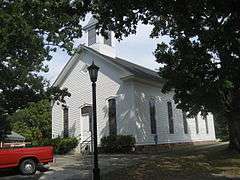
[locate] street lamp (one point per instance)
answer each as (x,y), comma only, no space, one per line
(93,72)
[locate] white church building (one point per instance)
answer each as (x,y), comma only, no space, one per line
(129,100)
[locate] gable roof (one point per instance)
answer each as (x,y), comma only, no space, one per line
(134,69)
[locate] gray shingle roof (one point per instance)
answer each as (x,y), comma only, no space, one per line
(134,69)
(14,137)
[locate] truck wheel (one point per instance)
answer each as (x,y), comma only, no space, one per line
(28,167)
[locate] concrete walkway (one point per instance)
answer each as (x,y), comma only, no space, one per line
(71,167)
(74,167)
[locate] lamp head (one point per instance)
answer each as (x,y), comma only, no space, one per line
(93,72)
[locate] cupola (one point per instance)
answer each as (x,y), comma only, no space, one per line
(96,41)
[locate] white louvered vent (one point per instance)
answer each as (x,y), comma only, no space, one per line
(92,36)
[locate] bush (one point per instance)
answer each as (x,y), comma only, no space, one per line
(33,122)
(117,144)
(66,145)
(61,145)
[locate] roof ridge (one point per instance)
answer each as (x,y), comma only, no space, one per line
(116,58)
(133,68)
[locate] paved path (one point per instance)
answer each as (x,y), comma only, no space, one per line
(73,167)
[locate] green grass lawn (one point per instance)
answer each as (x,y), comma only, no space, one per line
(197,163)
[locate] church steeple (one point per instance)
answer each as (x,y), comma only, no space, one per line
(96,41)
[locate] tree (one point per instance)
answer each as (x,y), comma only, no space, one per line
(29,31)
(4,127)
(33,122)
(221,125)
(201,62)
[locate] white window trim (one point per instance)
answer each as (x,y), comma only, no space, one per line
(83,105)
(84,68)
(112,97)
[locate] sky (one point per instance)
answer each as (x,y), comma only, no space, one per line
(137,48)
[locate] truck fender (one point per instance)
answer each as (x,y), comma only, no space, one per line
(28,157)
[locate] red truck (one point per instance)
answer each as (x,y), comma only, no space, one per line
(26,159)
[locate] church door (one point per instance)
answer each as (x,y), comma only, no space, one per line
(86,123)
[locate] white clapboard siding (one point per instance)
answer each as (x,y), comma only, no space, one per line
(132,98)
(79,85)
(143,93)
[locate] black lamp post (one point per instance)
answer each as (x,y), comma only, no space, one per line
(93,72)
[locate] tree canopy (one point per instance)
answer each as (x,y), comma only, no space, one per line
(201,62)
(29,31)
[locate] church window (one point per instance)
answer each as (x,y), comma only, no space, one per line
(170,118)
(185,123)
(108,40)
(153,116)
(206,124)
(197,125)
(112,117)
(65,122)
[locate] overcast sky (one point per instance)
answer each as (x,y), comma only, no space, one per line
(136,48)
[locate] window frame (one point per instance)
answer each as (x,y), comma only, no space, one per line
(152,114)
(109,40)
(206,124)
(170,117)
(185,123)
(112,116)
(65,121)
(196,124)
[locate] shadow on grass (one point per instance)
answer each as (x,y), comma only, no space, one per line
(190,163)
(197,163)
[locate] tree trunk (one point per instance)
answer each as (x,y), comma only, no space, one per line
(4,126)
(233,118)
(234,134)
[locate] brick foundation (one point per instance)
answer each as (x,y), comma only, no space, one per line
(161,147)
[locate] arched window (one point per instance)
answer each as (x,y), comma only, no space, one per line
(86,110)
(197,126)
(153,116)
(112,117)
(206,123)
(65,122)
(170,118)
(108,40)
(185,123)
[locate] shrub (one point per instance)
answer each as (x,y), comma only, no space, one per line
(117,144)
(33,122)
(61,145)
(66,145)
